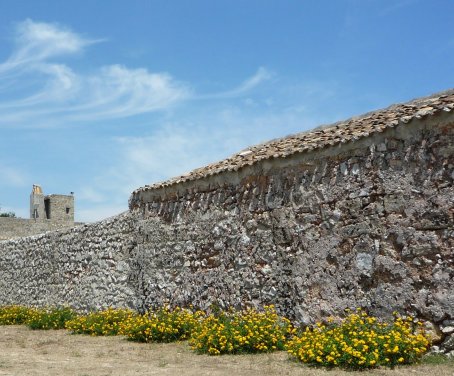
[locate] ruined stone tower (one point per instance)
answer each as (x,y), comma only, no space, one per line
(37,203)
(58,208)
(47,213)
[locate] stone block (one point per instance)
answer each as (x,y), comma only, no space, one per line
(394,203)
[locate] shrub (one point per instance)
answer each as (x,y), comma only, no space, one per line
(7,214)
(13,315)
(248,331)
(162,325)
(103,323)
(360,342)
(49,318)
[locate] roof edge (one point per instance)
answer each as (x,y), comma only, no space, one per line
(324,135)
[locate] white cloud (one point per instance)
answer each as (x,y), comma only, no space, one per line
(38,41)
(59,94)
(114,91)
(120,92)
(246,86)
(260,76)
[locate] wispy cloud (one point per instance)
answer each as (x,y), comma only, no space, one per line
(114,91)
(58,93)
(261,75)
(39,41)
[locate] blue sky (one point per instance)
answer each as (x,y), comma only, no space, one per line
(102,97)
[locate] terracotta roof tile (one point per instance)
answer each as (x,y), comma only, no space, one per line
(341,132)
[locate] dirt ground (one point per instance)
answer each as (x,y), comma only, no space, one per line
(27,352)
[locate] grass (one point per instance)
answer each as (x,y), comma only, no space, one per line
(357,342)
(437,359)
(76,355)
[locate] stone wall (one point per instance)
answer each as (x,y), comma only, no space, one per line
(11,228)
(363,224)
(367,223)
(86,267)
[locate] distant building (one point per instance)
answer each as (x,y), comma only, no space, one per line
(47,213)
(57,208)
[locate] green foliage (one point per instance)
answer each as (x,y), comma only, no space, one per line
(162,325)
(13,315)
(248,331)
(103,323)
(360,342)
(49,318)
(437,359)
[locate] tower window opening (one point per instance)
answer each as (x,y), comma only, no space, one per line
(47,208)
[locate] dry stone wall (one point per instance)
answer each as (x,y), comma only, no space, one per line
(86,267)
(363,224)
(367,223)
(11,228)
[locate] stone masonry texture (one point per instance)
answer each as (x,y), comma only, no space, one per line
(369,225)
(11,228)
(364,222)
(85,267)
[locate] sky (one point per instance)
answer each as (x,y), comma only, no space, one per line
(102,97)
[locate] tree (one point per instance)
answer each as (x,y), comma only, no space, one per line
(7,214)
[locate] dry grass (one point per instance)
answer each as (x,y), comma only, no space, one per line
(27,352)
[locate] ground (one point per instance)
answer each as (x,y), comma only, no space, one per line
(27,352)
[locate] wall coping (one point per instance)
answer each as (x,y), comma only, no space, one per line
(337,134)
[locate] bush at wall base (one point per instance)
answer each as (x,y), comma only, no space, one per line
(249,331)
(49,318)
(161,325)
(360,341)
(103,323)
(13,315)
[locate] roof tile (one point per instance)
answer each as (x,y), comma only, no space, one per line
(341,132)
